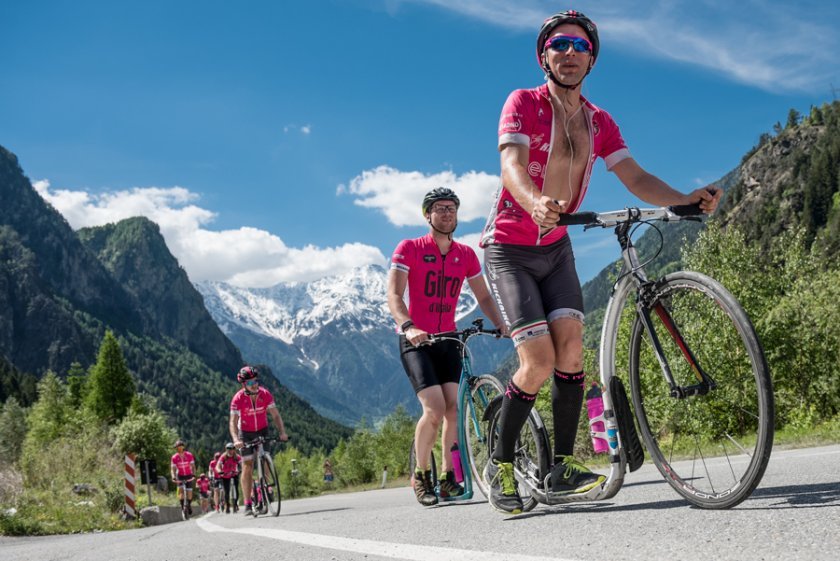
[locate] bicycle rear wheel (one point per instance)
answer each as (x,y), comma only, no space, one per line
(270,485)
(712,448)
(484,389)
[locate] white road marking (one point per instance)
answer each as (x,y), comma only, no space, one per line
(393,550)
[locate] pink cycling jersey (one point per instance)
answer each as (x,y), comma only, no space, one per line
(253,415)
(183,463)
(434,280)
(204,485)
(527,119)
(229,465)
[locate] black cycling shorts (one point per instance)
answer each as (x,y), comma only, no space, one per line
(247,453)
(533,286)
(188,481)
(432,364)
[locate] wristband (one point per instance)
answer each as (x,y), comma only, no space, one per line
(406,326)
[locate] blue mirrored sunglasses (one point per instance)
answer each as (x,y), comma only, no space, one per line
(251,382)
(561,43)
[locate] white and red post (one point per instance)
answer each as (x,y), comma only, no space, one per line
(130,501)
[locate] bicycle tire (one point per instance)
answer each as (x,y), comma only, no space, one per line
(483,391)
(271,489)
(532,458)
(721,440)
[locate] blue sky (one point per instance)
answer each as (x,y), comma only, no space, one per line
(278,141)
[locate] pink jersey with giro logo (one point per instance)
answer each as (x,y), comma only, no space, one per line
(253,414)
(183,463)
(527,119)
(434,280)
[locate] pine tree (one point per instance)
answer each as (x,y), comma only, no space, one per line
(12,431)
(50,415)
(110,385)
(77,384)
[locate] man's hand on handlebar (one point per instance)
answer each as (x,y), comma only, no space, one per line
(706,197)
(546,211)
(416,336)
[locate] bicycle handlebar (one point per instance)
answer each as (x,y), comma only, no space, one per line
(630,215)
(464,334)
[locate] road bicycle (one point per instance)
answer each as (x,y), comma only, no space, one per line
(265,490)
(475,393)
(701,390)
(182,495)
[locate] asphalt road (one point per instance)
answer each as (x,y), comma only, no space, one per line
(793,515)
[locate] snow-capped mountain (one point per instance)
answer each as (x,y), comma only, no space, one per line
(331,341)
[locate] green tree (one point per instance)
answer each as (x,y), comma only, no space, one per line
(51,414)
(12,431)
(110,387)
(793,118)
(77,384)
(145,434)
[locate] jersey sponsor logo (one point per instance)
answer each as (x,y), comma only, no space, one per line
(536,140)
(534,168)
(440,308)
(512,126)
(595,128)
(545,147)
(399,256)
(438,285)
(429,258)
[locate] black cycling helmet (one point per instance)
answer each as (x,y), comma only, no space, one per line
(569,16)
(439,194)
(247,373)
(180,442)
(229,446)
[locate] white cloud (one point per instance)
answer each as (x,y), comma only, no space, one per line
(769,44)
(304,129)
(245,256)
(399,194)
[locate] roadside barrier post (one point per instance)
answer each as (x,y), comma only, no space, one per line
(130,504)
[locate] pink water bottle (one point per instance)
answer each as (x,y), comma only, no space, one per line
(595,410)
(456,463)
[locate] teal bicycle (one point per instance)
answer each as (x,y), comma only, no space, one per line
(475,393)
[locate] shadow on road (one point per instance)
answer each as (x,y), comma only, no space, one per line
(818,495)
(286,515)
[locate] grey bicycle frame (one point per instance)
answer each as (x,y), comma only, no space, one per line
(632,276)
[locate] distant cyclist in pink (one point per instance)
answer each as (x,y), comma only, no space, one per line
(182,467)
(227,470)
(549,139)
(434,268)
(249,410)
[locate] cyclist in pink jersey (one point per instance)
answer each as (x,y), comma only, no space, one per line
(249,410)
(182,467)
(549,139)
(227,470)
(203,484)
(215,482)
(434,268)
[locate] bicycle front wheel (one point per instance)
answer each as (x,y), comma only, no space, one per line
(270,486)
(712,447)
(484,389)
(532,460)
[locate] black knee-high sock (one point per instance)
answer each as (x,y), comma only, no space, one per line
(516,406)
(566,402)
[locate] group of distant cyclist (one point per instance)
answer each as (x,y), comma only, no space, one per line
(230,471)
(548,139)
